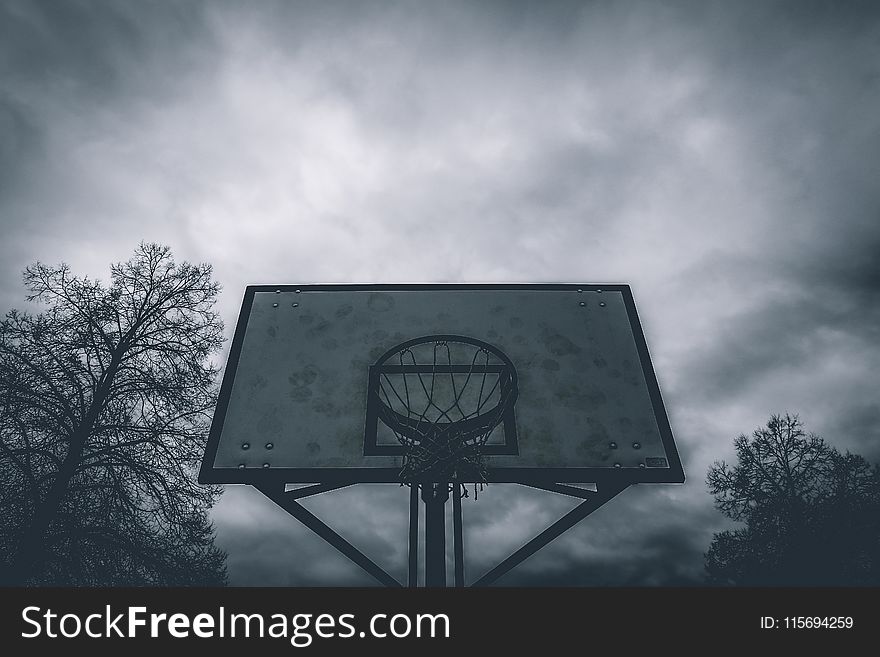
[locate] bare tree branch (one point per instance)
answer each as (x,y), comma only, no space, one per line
(106,400)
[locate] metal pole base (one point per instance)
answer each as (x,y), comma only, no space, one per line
(434,496)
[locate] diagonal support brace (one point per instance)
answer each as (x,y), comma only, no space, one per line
(310,520)
(566,522)
(571,491)
(314,489)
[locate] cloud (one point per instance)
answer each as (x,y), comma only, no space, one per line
(720,157)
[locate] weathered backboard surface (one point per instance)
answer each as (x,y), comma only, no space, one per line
(293,402)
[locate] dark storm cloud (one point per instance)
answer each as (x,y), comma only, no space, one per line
(720,156)
(66,70)
(626,542)
(268,548)
(800,81)
(21,140)
(790,331)
(96,47)
(661,564)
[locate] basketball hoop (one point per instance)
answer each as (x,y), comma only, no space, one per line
(443,396)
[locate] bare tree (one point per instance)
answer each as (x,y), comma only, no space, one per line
(105,399)
(811,515)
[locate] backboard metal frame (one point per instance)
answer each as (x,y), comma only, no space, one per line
(670,472)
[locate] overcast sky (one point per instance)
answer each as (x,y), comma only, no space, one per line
(723,158)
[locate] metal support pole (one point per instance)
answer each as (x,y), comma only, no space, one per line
(434,496)
(457,538)
(413,536)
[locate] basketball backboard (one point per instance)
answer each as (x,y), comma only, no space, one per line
(295,405)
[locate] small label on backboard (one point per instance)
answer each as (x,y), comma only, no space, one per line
(656,462)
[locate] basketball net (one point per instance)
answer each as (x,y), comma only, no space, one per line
(444,409)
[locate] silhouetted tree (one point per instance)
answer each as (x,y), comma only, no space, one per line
(105,400)
(811,514)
